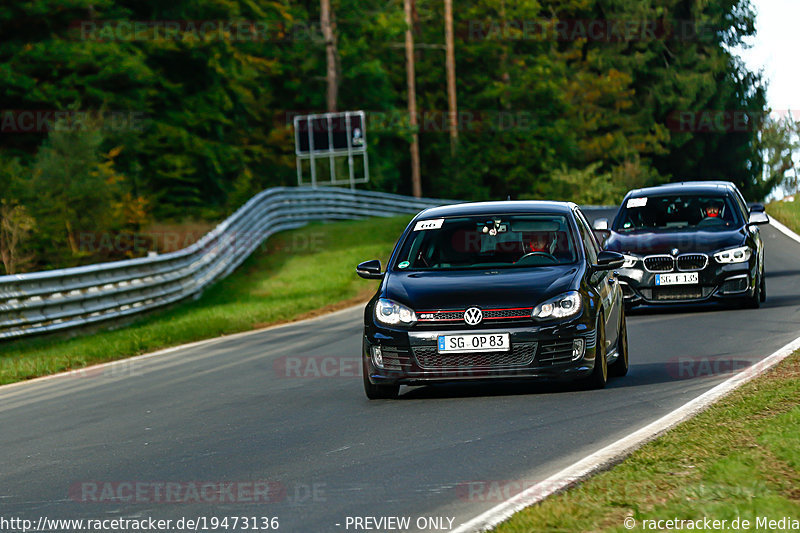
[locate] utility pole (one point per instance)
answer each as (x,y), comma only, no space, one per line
(451,75)
(325,17)
(416,181)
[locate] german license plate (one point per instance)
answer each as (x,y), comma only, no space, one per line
(495,342)
(681,278)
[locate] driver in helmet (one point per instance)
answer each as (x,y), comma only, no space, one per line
(541,241)
(713,211)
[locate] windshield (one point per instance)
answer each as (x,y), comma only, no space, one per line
(706,212)
(487,241)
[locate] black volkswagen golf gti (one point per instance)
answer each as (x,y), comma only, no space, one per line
(689,242)
(494,290)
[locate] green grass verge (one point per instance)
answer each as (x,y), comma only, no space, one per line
(788,213)
(738,459)
(293,274)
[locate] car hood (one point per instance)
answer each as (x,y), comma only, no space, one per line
(663,242)
(501,288)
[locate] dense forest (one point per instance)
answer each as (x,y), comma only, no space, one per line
(120,112)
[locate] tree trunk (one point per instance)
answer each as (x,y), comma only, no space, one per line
(329,35)
(451,76)
(416,181)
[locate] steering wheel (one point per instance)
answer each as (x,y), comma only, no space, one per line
(711,221)
(545,255)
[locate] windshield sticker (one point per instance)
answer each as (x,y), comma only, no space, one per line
(429,224)
(493,227)
(636,202)
(404,264)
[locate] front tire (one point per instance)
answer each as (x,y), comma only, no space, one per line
(754,301)
(377,392)
(619,367)
(599,376)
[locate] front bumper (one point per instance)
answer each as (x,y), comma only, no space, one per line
(411,357)
(716,282)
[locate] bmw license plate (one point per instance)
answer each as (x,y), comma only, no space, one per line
(681,278)
(495,342)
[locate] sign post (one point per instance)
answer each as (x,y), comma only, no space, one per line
(331,136)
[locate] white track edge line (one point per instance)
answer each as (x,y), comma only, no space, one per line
(165,351)
(783,229)
(617,451)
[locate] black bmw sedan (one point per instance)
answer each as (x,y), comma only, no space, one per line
(494,290)
(689,242)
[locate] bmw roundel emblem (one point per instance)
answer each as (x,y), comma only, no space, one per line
(473,316)
(674,251)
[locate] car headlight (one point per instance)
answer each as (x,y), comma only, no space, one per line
(630,261)
(563,306)
(393,313)
(734,255)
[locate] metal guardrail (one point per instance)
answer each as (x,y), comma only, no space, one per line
(58,300)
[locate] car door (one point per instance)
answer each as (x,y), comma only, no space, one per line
(604,281)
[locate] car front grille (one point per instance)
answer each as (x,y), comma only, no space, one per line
(735,285)
(559,351)
(556,352)
(516,314)
(496,314)
(665,294)
(429,358)
(692,262)
(659,263)
(396,358)
(440,316)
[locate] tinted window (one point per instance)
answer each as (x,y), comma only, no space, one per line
(502,241)
(742,204)
(676,212)
(587,236)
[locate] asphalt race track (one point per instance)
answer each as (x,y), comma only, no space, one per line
(284,409)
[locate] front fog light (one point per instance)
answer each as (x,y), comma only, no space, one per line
(577,349)
(377,356)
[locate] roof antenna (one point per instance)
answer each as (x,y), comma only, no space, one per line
(509,198)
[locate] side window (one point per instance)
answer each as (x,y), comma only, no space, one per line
(742,205)
(589,242)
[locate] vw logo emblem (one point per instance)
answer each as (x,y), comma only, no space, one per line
(473,316)
(674,251)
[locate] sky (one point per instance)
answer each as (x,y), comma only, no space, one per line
(775,51)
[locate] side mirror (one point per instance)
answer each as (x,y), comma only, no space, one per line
(370,270)
(602,235)
(600,230)
(757,208)
(607,260)
(758,217)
